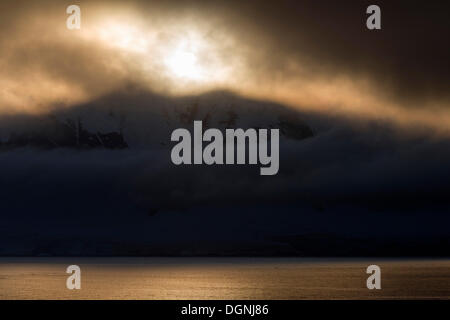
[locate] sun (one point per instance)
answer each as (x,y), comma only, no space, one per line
(180,56)
(184,63)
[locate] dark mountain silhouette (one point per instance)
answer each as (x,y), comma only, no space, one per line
(139,118)
(97,179)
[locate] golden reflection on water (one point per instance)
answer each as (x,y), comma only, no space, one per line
(222,278)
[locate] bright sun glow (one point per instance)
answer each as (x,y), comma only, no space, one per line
(184,64)
(179,55)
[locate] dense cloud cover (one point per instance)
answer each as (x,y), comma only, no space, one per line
(308,54)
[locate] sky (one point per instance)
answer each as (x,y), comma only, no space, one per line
(306,54)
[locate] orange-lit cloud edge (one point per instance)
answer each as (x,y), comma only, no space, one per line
(45,66)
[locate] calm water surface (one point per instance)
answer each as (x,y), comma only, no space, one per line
(223,278)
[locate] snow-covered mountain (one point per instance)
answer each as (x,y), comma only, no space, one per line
(97,178)
(140,118)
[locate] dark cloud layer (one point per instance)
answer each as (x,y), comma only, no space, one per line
(355,174)
(409,56)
